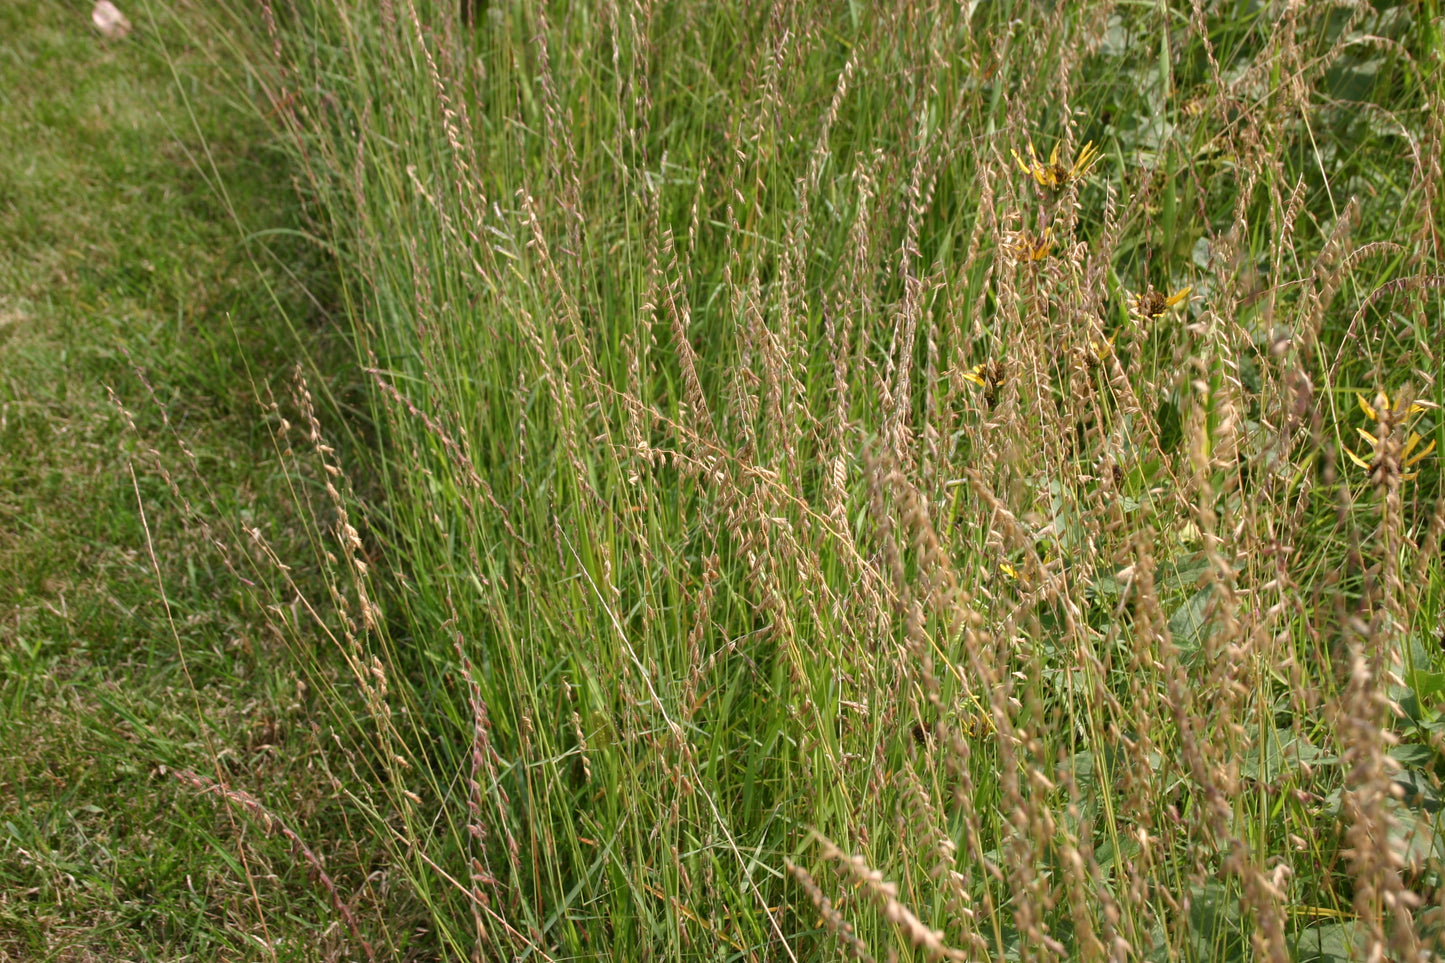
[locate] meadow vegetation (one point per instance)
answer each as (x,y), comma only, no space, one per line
(945,482)
(870,481)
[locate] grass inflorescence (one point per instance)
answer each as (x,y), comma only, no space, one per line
(806,527)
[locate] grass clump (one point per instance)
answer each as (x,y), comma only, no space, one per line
(806,532)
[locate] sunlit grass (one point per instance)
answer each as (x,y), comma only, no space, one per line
(801,531)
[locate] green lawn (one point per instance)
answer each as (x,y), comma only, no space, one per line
(126,295)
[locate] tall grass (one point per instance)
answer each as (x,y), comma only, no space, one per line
(806,529)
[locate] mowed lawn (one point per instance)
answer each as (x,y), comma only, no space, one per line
(140,339)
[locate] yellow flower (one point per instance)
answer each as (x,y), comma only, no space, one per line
(989,377)
(986,375)
(1152,304)
(1395,414)
(1383,401)
(1088,357)
(1025,246)
(1053,175)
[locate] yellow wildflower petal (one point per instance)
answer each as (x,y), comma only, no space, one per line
(1177,296)
(1369,438)
(1046,244)
(975,375)
(1022,166)
(1370,413)
(1415,459)
(1357,460)
(1036,168)
(1087,156)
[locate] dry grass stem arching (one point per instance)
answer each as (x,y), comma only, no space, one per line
(832,919)
(929,942)
(269,824)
